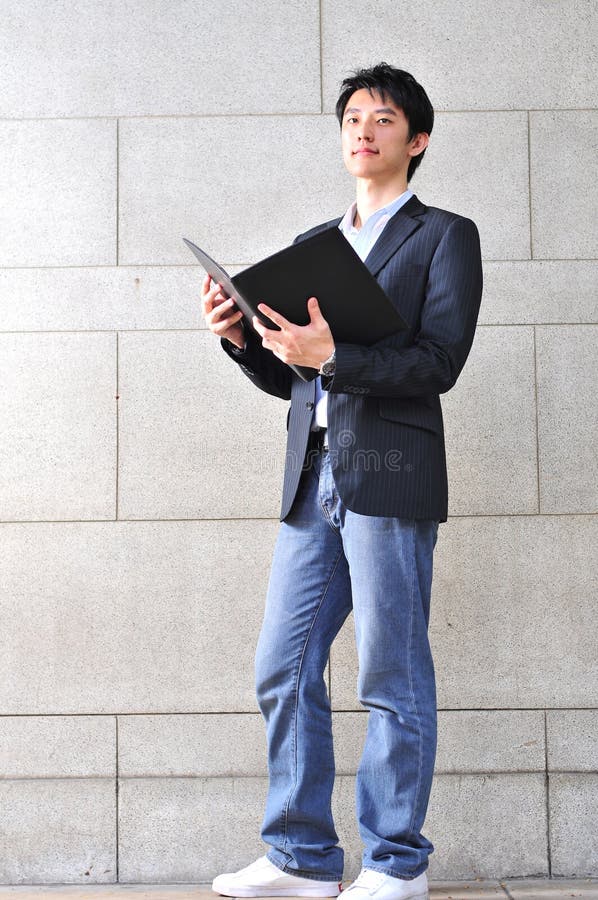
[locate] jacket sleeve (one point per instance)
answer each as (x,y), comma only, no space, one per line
(265,370)
(431,365)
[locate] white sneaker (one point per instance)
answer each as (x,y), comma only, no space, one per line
(263,879)
(370,883)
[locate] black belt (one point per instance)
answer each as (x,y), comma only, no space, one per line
(318,439)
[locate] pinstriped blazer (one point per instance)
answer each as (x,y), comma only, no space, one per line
(385,426)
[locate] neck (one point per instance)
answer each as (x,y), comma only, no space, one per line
(373,195)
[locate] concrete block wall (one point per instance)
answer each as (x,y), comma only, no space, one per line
(135,527)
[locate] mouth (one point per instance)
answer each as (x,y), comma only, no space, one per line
(365,151)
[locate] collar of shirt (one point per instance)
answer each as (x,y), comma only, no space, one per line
(365,237)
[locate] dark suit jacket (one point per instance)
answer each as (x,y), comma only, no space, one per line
(385,427)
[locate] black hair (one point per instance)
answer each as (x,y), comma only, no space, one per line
(403,90)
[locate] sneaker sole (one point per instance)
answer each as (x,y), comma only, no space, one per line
(284,892)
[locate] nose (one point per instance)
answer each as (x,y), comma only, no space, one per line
(365,132)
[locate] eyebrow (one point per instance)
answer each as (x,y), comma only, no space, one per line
(384,109)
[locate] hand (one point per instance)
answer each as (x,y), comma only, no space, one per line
(298,345)
(222,316)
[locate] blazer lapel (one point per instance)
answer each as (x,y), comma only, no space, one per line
(396,232)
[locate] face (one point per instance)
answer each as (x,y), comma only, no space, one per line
(374,138)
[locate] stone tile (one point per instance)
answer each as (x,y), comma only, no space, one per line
(133,617)
(487,826)
(572,736)
(217,198)
(59,830)
(58,410)
(106,298)
(452,176)
(469,741)
(543,889)
(573,835)
(139,59)
(495,67)
(480,627)
(490,426)
(192,745)
(175,829)
(482,826)
(500,740)
(196,438)
(567,418)
(476,889)
(539,290)
(57,746)
(58,188)
(100,299)
(110,892)
(564,213)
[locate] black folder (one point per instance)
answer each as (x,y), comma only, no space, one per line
(324,266)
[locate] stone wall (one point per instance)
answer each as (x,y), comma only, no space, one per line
(135,526)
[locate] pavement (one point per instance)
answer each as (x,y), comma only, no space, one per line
(478,889)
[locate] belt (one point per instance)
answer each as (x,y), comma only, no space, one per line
(318,439)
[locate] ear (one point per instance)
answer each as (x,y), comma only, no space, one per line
(419,143)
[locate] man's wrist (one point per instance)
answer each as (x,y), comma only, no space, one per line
(234,347)
(328,367)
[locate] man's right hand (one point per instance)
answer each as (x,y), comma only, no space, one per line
(222,315)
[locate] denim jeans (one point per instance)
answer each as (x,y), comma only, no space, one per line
(328,561)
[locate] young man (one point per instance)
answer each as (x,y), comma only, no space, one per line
(365,489)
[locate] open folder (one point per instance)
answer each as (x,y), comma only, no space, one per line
(324,266)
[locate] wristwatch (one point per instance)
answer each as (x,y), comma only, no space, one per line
(328,367)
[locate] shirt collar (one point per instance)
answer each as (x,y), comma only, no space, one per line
(346,225)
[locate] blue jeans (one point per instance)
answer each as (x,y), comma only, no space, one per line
(328,561)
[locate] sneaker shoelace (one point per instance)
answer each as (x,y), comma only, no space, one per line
(368,879)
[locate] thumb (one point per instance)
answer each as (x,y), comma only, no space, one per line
(313,308)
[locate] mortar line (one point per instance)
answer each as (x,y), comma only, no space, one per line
(256,714)
(117,798)
(117,211)
(529,185)
(547,781)
(192,329)
(537,424)
(506,890)
(275,520)
(321,60)
(244,263)
(117,413)
(289,115)
(347,771)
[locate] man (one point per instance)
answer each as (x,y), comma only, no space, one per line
(365,489)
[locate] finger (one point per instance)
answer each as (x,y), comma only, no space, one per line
(264,331)
(213,297)
(273,315)
(315,313)
(205,286)
(223,310)
(223,325)
(259,327)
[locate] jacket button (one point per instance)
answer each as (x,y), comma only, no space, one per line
(309,404)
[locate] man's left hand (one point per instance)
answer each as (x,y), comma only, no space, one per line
(299,345)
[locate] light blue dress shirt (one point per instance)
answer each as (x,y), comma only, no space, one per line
(362,240)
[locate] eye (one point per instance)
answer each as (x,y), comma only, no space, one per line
(383,119)
(351,119)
